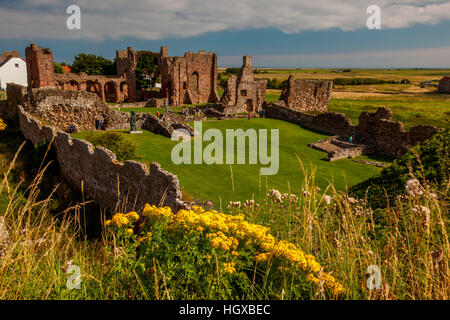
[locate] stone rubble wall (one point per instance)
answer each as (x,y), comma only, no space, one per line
(387,136)
(95,170)
(377,131)
(63,108)
(444,85)
(307,95)
(329,122)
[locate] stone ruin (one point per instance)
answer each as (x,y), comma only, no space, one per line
(62,109)
(45,113)
(243,93)
(307,95)
(375,133)
(41,73)
(444,85)
(190,79)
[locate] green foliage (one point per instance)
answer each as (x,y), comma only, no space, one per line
(124,148)
(93,65)
(429,163)
(276,84)
(223,79)
(231,71)
(58,68)
(147,71)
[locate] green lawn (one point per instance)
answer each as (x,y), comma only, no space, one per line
(410,112)
(213,182)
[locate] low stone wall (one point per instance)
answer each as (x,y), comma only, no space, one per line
(329,122)
(16,95)
(114,185)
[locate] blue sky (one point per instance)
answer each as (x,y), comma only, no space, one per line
(319,33)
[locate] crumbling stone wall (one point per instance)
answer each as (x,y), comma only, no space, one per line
(62,109)
(377,131)
(112,184)
(307,95)
(444,85)
(243,93)
(388,136)
(109,88)
(40,68)
(190,79)
(329,122)
(16,95)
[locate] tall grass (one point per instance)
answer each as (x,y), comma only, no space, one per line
(408,241)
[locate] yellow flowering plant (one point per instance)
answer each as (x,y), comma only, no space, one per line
(219,255)
(2,125)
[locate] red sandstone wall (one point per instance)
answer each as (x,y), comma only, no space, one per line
(40,67)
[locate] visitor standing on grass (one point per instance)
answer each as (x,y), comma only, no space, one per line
(262,113)
(249,115)
(157,114)
(167,109)
(350,139)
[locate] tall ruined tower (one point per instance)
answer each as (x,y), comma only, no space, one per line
(40,69)
(126,61)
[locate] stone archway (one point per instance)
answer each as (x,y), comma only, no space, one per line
(112,92)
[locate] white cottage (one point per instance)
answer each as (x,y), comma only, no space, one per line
(13,70)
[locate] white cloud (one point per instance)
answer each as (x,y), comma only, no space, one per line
(158,19)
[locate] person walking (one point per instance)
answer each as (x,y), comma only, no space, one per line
(249,115)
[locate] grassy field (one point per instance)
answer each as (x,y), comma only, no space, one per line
(219,183)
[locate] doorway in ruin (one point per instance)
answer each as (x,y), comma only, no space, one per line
(111,92)
(249,105)
(124,91)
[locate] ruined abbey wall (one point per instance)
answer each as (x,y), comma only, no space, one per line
(62,109)
(307,95)
(375,130)
(190,79)
(113,184)
(243,93)
(444,85)
(41,74)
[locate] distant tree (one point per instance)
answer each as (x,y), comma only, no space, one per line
(232,71)
(58,67)
(93,65)
(147,71)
